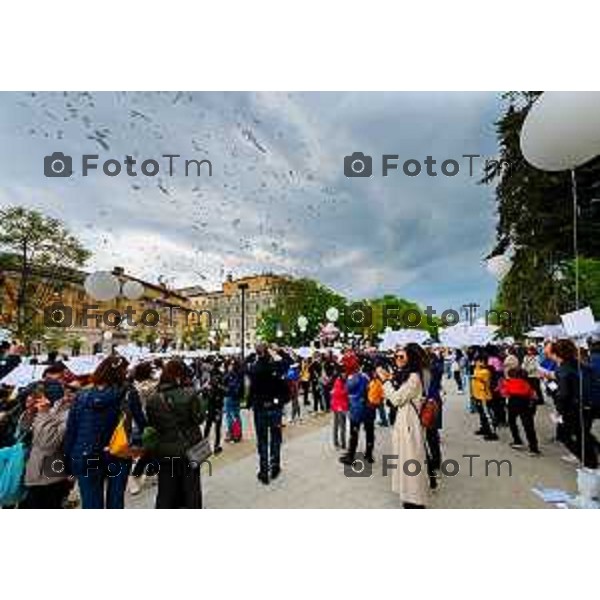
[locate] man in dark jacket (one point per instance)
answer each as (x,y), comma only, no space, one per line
(266,400)
(573,378)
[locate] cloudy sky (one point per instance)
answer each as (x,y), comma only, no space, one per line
(278,199)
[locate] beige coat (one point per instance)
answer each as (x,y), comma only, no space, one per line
(408,441)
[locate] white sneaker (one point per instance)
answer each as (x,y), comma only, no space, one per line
(570,458)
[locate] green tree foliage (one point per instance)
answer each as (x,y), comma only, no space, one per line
(535,220)
(298,297)
(43,253)
(311,299)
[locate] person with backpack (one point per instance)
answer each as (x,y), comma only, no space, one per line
(175,415)
(339,406)
(521,398)
(575,408)
(362,414)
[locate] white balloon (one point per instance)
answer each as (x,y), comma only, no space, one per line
(499,266)
(562,130)
(133,290)
(332,314)
(302,322)
(102,285)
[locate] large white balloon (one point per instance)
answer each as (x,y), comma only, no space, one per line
(102,285)
(499,266)
(133,290)
(562,130)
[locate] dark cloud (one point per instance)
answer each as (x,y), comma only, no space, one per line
(278,198)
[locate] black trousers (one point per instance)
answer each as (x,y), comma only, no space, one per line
(47,496)
(317,397)
(305,386)
(523,409)
(145,465)
(571,436)
(214,417)
(497,407)
(178,485)
(368,423)
(458,379)
(434,450)
(484,423)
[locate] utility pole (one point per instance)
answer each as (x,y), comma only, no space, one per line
(243,287)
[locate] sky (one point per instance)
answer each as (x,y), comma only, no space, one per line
(278,199)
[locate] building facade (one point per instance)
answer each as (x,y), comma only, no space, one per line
(225,306)
(158,318)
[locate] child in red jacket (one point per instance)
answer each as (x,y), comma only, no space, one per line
(521,404)
(339,406)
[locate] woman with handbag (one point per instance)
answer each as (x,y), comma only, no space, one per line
(404,389)
(96,416)
(174,437)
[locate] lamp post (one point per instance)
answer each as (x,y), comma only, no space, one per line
(243,287)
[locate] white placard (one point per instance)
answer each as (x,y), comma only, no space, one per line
(579,322)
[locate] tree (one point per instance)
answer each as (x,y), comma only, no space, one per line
(298,297)
(44,255)
(535,221)
(195,337)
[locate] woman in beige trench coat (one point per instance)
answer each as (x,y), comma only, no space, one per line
(408,435)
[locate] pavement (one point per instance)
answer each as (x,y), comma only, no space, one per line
(312,477)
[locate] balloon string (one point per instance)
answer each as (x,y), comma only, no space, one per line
(579,370)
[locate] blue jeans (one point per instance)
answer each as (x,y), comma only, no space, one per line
(231,407)
(267,422)
(93,472)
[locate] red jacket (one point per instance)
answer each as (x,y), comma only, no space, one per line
(339,396)
(515,386)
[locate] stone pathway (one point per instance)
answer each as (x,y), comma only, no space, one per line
(313,478)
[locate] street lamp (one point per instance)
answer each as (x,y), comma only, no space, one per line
(243,287)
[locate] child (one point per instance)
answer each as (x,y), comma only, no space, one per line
(339,406)
(521,403)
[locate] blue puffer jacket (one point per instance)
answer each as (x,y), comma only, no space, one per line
(92,420)
(357,396)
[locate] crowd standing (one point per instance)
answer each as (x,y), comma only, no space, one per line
(162,418)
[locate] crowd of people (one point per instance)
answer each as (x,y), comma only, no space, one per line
(171,413)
